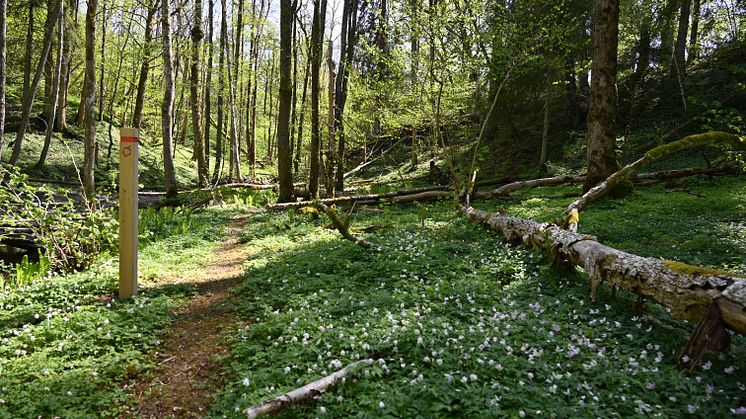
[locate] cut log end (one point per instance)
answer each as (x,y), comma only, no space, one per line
(710,334)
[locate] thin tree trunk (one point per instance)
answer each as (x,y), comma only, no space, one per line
(317,46)
(237,61)
(168,102)
(268,96)
(680,47)
(101,88)
(3,69)
(694,36)
(294,81)
(301,117)
(235,148)
(29,47)
(601,117)
(545,129)
(30,94)
(144,65)
(208,86)
(197,36)
(117,78)
(60,120)
(89,100)
(221,90)
(55,87)
(349,36)
(284,164)
(331,160)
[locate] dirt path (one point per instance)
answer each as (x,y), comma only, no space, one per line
(188,371)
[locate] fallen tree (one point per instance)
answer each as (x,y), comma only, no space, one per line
(342,226)
(310,391)
(688,291)
(617,178)
(427,193)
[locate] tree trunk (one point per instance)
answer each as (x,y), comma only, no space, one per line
(235,148)
(680,48)
(198,141)
(144,65)
(284,163)
(302,116)
(349,36)
(665,22)
(331,160)
(113,95)
(545,128)
(29,52)
(208,87)
(317,46)
(3,69)
(89,100)
(55,89)
(221,90)
(101,87)
(601,117)
(29,95)
(694,36)
(168,102)
(60,120)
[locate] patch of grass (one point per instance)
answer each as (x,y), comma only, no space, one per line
(66,347)
(460,324)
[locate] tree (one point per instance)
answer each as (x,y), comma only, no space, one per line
(3,67)
(347,51)
(29,94)
(221,91)
(679,52)
(168,101)
(198,141)
(55,88)
(317,46)
(602,114)
(284,163)
(89,100)
(144,64)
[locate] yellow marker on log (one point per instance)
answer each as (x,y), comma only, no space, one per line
(128,154)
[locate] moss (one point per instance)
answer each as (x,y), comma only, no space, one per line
(693,270)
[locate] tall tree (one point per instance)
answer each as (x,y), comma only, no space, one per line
(331,160)
(679,52)
(29,95)
(694,36)
(317,46)
(168,101)
(55,88)
(221,91)
(3,69)
(208,83)
(284,163)
(347,51)
(197,36)
(602,114)
(89,100)
(145,64)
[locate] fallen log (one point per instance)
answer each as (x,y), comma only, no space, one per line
(430,192)
(686,290)
(341,226)
(310,391)
(696,140)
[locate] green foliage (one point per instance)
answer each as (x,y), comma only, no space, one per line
(459,323)
(72,233)
(67,346)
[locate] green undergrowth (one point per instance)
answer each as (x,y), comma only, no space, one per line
(697,221)
(67,347)
(458,323)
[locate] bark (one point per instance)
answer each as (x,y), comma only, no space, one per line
(349,38)
(142,82)
(101,88)
(284,157)
(168,102)
(89,100)
(221,99)
(343,226)
(117,78)
(309,391)
(317,45)
(679,54)
(208,86)
(29,95)
(665,22)
(235,156)
(331,158)
(686,290)
(694,35)
(622,175)
(60,120)
(55,87)
(302,116)
(602,114)
(545,128)
(3,69)
(198,141)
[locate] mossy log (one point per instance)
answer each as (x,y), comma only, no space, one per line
(623,174)
(686,290)
(310,391)
(342,226)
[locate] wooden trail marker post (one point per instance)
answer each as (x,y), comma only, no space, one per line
(128,155)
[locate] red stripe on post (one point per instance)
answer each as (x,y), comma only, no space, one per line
(129,139)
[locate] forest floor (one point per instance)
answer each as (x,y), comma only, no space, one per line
(189,366)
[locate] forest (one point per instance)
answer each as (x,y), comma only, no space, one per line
(372,208)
